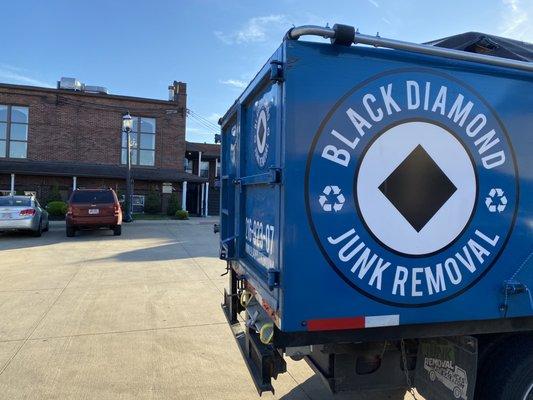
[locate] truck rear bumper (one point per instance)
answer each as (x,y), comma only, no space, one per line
(264,362)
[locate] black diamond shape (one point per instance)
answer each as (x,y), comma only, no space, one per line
(261,132)
(418,188)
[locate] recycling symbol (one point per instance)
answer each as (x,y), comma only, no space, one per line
(331,198)
(496,200)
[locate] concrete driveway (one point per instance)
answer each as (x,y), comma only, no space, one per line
(130,317)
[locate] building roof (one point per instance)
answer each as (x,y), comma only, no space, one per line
(477,42)
(94,171)
(83,93)
(207,149)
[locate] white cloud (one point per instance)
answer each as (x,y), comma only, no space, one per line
(11,74)
(374,3)
(236,83)
(516,20)
(256,29)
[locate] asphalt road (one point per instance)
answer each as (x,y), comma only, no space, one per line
(130,317)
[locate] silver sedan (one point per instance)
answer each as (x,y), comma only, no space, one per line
(22,213)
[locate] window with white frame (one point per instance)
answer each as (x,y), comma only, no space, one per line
(204,169)
(13,131)
(142,137)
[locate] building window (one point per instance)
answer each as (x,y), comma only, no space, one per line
(217,169)
(13,131)
(142,138)
(188,166)
(204,169)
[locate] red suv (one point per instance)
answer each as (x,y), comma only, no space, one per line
(93,209)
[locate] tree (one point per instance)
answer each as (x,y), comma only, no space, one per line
(152,203)
(173,205)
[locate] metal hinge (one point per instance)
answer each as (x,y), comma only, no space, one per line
(272,177)
(276,71)
(227,248)
(514,287)
(272,279)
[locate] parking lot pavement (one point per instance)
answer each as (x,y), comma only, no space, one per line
(130,317)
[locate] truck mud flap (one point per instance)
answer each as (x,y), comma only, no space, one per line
(446,368)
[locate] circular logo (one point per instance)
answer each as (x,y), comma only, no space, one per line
(262,131)
(428,182)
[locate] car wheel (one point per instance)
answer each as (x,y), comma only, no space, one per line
(71,231)
(47,227)
(39,230)
(117,230)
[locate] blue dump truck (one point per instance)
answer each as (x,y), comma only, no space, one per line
(377,214)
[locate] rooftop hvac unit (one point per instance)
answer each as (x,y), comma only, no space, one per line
(70,84)
(95,89)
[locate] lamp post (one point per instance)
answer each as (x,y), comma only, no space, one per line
(127,123)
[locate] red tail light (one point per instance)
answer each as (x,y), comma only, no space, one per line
(27,212)
(116,208)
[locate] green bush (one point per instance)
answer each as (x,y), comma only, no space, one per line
(173,204)
(57,208)
(182,214)
(152,203)
(54,195)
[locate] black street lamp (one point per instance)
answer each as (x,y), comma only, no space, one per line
(127,123)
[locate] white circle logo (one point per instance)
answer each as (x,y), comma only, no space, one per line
(262,131)
(416,188)
(429,182)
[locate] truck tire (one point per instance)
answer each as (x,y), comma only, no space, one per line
(71,231)
(508,374)
(117,230)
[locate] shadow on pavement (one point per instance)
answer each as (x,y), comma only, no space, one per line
(315,389)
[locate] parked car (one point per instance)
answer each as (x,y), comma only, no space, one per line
(23,213)
(93,209)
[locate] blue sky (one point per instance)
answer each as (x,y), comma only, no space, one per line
(138,47)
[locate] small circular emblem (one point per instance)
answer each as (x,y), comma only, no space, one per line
(411,188)
(262,131)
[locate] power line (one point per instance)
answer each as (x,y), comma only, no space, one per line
(203,119)
(207,128)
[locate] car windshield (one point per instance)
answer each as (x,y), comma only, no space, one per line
(15,201)
(93,197)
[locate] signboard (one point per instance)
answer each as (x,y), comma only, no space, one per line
(167,188)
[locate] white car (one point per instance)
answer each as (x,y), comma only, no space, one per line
(22,213)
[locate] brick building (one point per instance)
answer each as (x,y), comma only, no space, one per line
(71,137)
(203,159)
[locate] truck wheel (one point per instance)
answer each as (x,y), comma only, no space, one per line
(117,230)
(510,375)
(70,231)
